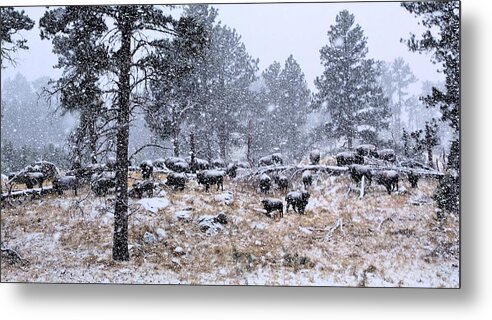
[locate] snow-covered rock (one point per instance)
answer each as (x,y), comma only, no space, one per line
(212,224)
(183,215)
(225,198)
(154,204)
(161,234)
(149,238)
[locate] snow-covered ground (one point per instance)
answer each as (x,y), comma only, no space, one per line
(380,240)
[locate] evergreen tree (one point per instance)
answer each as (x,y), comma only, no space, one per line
(348,88)
(287,99)
(110,40)
(443,17)
(397,76)
(13,21)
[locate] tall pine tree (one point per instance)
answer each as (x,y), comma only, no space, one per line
(348,89)
(120,53)
(442,20)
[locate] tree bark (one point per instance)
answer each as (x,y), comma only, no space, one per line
(120,237)
(193,152)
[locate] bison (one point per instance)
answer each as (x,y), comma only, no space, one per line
(147,168)
(307,179)
(177,164)
(368,150)
(298,200)
(231,170)
(349,157)
(281,181)
(65,183)
(265,183)
(386,154)
(314,157)
(176,180)
(358,171)
(141,188)
(270,160)
(413,178)
(211,177)
(388,179)
(271,205)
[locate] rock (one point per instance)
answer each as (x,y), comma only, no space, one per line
(161,234)
(225,198)
(179,251)
(154,204)
(149,238)
(212,224)
(183,215)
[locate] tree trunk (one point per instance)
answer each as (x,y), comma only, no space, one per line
(349,142)
(93,139)
(193,152)
(120,237)
(176,142)
(249,142)
(223,143)
(430,161)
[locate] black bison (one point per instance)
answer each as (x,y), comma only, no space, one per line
(386,154)
(388,179)
(177,164)
(307,179)
(111,164)
(231,170)
(141,188)
(281,181)
(177,180)
(198,165)
(314,157)
(271,205)
(211,177)
(30,179)
(243,165)
(358,171)
(159,164)
(65,183)
(101,183)
(298,200)
(413,178)
(147,168)
(368,150)
(218,164)
(271,160)
(48,169)
(347,158)
(265,183)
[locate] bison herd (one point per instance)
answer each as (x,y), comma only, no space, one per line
(102,177)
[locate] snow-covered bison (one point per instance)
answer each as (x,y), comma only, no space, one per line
(298,200)
(265,183)
(271,205)
(271,160)
(211,177)
(387,155)
(388,179)
(358,171)
(349,157)
(65,183)
(177,180)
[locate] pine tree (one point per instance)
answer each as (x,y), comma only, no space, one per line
(443,17)
(12,22)
(398,76)
(287,98)
(110,40)
(348,88)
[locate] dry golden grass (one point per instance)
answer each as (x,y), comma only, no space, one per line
(383,240)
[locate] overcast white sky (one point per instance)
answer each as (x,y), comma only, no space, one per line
(274,31)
